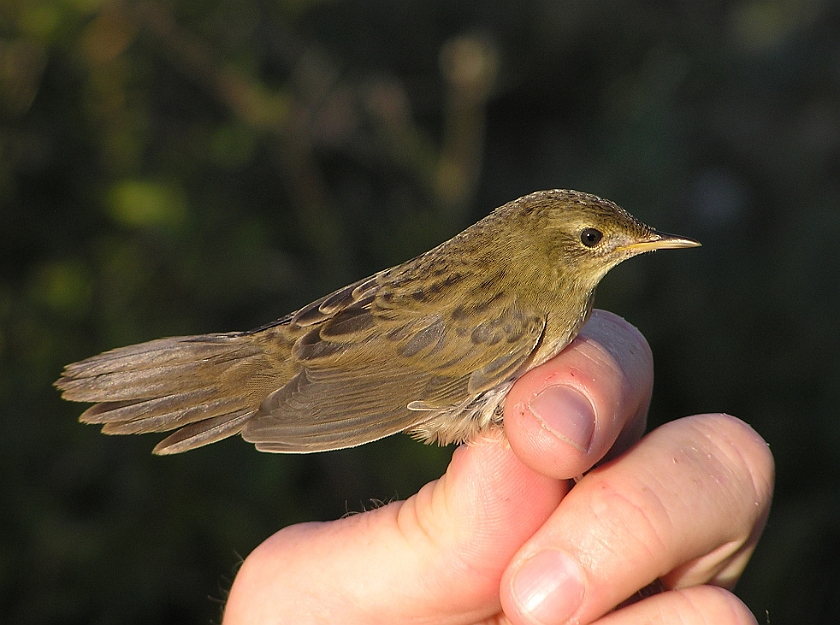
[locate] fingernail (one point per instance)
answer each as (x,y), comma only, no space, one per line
(548,587)
(567,414)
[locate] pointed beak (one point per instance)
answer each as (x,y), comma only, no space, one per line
(661,241)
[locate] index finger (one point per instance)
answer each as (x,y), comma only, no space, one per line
(567,414)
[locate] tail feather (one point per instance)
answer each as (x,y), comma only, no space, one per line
(204,433)
(208,386)
(152,420)
(153,354)
(122,386)
(152,369)
(138,410)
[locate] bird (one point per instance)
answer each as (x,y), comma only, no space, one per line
(429,347)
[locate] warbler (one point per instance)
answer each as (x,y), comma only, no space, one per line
(429,347)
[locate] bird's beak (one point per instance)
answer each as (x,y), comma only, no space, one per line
(660,241)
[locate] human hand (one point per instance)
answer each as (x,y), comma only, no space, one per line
(503,538)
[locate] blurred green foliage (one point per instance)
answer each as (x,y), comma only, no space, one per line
(172,167)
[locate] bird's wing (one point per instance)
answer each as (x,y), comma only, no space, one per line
(378,346)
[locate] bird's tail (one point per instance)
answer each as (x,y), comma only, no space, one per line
(204,386)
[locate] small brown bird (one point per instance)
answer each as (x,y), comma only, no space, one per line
(430,347)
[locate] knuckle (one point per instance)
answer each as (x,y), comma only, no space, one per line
(631,522)
(745,457)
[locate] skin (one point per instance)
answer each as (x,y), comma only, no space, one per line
(502,537)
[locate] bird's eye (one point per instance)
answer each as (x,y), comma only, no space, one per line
(590,237)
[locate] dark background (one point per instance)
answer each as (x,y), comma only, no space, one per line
(179,167)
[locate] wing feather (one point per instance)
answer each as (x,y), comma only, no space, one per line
(384,361)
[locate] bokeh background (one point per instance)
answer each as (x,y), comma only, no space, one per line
(179,166)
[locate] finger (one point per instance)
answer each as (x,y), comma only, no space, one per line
(686,504)
(699,605)
(565,415)
(438,555)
